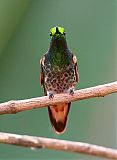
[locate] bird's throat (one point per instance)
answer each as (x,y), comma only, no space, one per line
(58,44)
(58,48)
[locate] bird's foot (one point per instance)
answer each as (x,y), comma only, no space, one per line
(71,91)
(51,95)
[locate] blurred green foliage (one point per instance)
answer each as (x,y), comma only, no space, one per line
(24,38)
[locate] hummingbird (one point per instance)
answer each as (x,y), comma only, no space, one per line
(58,74)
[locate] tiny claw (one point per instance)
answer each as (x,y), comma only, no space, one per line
(71,91)
(51,95)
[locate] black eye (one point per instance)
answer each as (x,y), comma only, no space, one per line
(50,33)
(64,33)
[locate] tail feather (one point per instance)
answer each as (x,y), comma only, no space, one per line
(58,116)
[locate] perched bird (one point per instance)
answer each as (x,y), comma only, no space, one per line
(59,74)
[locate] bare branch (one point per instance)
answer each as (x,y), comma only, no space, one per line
(15,106)
(54,144)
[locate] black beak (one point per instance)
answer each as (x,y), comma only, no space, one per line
(57,31)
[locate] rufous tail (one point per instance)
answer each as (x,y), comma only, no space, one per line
(58,116)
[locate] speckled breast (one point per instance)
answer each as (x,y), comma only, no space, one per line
(59,80)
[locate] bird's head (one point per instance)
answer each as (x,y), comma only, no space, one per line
(57,33)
